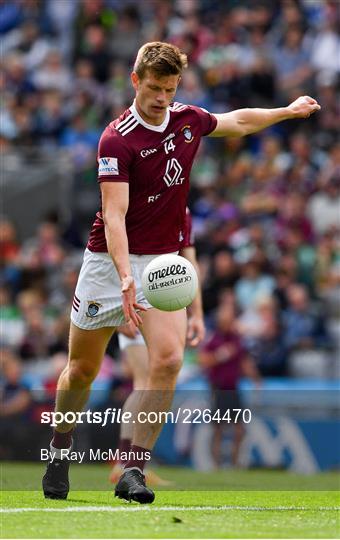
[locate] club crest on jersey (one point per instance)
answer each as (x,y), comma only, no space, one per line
(188,136)
(93,308)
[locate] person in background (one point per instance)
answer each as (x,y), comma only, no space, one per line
(225,361)
(304,326)
(15,400)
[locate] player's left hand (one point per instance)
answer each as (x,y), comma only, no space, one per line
(303,107)
(129,301)
(196,330)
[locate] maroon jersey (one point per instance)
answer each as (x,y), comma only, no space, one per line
(225,374)
(156,162)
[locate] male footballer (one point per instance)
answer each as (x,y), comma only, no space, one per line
(144,162)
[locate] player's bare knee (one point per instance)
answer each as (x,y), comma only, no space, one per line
(167,365)
(80,375)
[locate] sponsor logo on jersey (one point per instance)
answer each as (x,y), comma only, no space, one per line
(108,166)
(188,136)
(153,198)
(173,173)
(145,153)
(93,308)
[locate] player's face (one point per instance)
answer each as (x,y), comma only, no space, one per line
(153,95)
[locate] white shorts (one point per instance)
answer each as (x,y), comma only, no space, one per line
(125,342)
(97,301)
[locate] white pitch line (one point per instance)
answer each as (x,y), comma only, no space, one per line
(168,509)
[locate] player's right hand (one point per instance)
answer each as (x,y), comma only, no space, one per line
(303,107)
(129,301)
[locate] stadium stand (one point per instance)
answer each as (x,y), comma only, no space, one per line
(266,209)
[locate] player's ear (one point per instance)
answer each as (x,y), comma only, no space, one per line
(134,80)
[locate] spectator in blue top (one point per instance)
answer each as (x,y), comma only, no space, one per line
(304,327)
(253,285)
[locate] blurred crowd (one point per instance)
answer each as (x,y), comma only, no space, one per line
(266,209)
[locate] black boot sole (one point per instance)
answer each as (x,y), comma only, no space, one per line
(52,495)
(141,498)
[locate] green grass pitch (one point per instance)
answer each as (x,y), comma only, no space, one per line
(223,504)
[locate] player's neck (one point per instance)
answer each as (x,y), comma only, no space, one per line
(147,118)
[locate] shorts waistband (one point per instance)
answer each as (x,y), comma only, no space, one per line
(132,256)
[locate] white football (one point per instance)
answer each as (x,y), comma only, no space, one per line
(169,282)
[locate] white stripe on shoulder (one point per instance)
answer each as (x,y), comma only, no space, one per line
(129,128)
(125,122)
(178,106)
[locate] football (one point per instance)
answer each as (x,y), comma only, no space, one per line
(169,282)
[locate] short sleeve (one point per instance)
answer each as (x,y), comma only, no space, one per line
(114,157)
(208,121)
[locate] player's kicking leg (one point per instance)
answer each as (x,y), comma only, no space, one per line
(165,335)
(86,351)
(132,346)
(136,360)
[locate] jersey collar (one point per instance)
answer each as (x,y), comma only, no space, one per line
(162,127)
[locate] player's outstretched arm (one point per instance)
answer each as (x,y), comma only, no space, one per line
(245,121)
(115,202)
